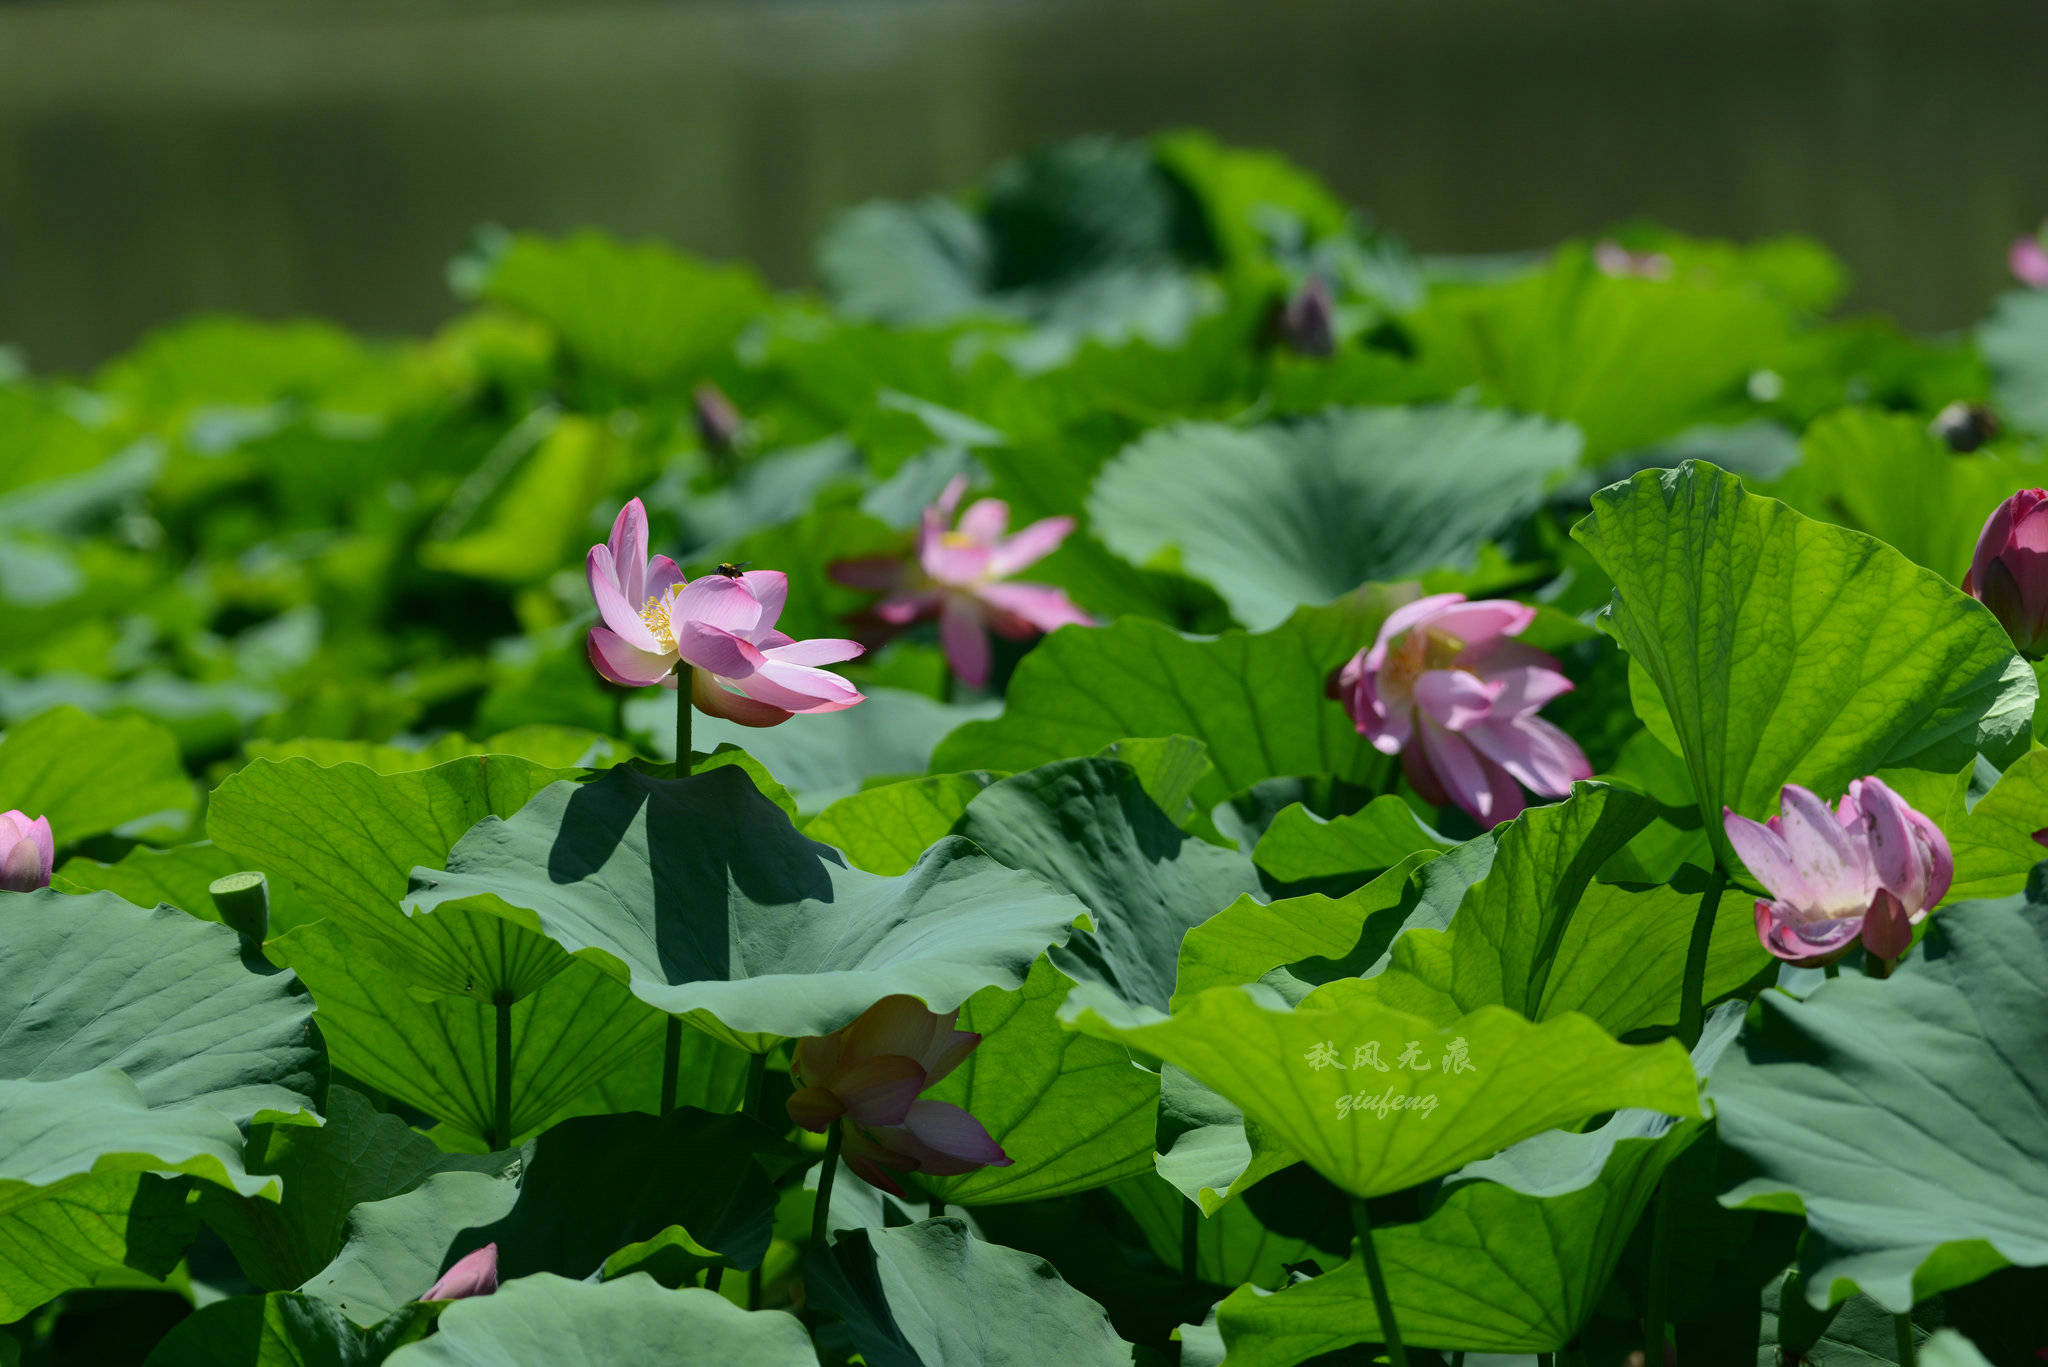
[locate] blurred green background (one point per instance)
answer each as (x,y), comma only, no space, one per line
(162,158)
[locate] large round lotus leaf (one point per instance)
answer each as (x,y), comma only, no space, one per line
(90,774)
(549,1321)
(1280,515)
(1785,650)
(1903,1116)
(702,898)
(933,1295)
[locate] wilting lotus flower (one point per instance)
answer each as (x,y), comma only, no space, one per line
(867,1077)
(2028,260)
(1616,260)
(27,852)
(1872,867)
(474,1274)
(2009,572)
(722,625)
(957,576)
(1447,688)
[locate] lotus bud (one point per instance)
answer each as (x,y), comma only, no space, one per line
(28,854)
(474,1274)
(2009,572)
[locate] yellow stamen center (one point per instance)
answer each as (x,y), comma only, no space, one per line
(1415,654)
(957,541)
(655,614)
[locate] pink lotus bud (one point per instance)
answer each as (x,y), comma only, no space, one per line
(1307,322)
(2028,261)
(1447,687)
(722,625)
(474,1274)
(2009,572)
(719,424)
(27,852)
(866,1077)
(1873,867)
(1964,426)
(960,574)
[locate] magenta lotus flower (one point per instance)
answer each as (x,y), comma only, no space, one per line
(1873,867)
(2009,572)
(1447,687)
(866,1077)
(1613,259)
(721,625)
(958,576)
(474,1274)
(28,852)
(2028,260)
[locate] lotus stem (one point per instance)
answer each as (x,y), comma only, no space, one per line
(685,677)
(1691,1007)
(753,1288)
(671,1063)
(1382,1303)
(757,1082)
(1909,1352)
(714,1277)
(937,1208)
(243,900)
(1190,1248)
(1657,1294)
(501,1120)
(826,1173)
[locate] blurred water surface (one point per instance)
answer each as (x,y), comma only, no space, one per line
(284,158)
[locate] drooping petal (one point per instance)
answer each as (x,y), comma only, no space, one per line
(1834,864)
(953,1132)
(771,590)
(716,701)
(946,1051)
(879,1090)
(1887,927)
(816,1058)
(1541,757)
(799,688)
(816,1109)
(1030,545)
(1763,851)
(1456,764)
(819,650)
(865,1158)
(965,640)
(473,1274)
(717,651)
(1454,699)
(1806,944)
(621,616)
(626,664)
(628,547)
(715,601)
(1032,608)
(1525,689)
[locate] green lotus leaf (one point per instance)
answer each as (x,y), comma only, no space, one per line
(1300,845)
(702,898)
(1280,515)
(1902,1116)
(549,1321)
(886,829)
(88,775)
(1784,650)
(283,1329)
(1353,1087)
(180,876)
(1255,700)
(933,1295)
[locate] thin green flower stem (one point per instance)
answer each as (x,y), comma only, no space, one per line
(757,1082)
(1545,1359)
(685,677)
(1691,1009)
(1190,1247)
(501,1115)
(937,1208)
(1382,1304)
(714,1277)
(1909,1352)
(1458,1358)
(1658,1294)
(753,1288)
(1833,969)
(671,1063)
(825,1175)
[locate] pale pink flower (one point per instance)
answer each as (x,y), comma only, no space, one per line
(2028,261)
(723,626)
(2009,570)
(1616,260)
(474,1274)
(866,1077)
(1447,688)
(1873,867)
(28,852)
(958,575)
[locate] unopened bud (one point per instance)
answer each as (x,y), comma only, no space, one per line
(1307,322)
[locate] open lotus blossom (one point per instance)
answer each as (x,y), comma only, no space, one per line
(958,575)
(1873,867)
(1447,688)
(2009,572)
(866,1077)
(27,852)
(2028,260)
(722,625)
(474,1274)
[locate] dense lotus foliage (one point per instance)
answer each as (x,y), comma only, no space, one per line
(1148,776)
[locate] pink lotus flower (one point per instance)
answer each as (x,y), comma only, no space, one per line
(867,1076)
(27,852)
(1872,867)
(722,626)
(2009,572)
(957,577)
(2028,261)
(474,1274)
(1446,688)
(1613,259)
